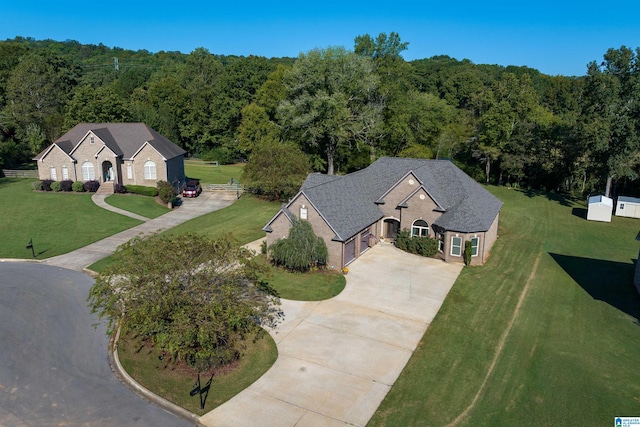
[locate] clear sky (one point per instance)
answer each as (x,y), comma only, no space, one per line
(555,37)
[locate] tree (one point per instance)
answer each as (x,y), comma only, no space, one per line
(332,102)
(612,114)
(276,170)
(255,129)
(301,250)
(100,105)
(193,298)
(37,90)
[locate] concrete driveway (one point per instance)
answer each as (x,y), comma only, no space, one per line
(338,358)
(54,366)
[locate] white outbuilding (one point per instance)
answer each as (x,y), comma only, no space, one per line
(628,206)
(600,208)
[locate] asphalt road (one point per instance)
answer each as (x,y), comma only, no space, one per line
(54,367)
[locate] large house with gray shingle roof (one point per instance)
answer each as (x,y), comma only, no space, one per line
(431,198)
(123,153)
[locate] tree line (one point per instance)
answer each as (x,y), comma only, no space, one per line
(335,110)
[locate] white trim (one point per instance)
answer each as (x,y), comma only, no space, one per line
(452,246)
(477,246)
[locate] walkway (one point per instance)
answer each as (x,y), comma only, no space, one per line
(190,208)
(338,358)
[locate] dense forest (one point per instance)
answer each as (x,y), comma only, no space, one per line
(337,109)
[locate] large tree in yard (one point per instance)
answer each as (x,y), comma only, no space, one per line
(193,298)
(332,102)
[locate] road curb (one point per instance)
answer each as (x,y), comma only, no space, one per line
(146,394)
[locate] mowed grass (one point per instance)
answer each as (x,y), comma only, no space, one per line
(244,220)
(169,381)
(208,173)
(310,286)
(146,206)
(57,222)
(569,353)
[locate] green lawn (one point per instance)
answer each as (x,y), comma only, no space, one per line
(148,207)
(568,355)
(172,383)
(57,222)
(208,173)
(244,219)
(311,286)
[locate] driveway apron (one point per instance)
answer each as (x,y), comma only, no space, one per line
(338,358)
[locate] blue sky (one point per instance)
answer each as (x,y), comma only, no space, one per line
(555,37)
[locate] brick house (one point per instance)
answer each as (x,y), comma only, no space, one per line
(431,198)
(123,153)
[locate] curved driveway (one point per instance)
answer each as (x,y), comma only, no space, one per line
(54,367)
(338,358)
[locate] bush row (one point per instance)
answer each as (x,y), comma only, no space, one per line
(424,246)
(139,189)
(66,185)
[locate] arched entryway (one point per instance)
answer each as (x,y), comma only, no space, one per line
(391,228)
(108,174)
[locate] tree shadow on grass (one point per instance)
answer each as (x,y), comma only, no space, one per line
(607,281)
(562,199)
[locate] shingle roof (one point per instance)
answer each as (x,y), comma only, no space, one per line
(124,139)
(348,203)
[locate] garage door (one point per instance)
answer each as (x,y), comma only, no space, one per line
(349,251)
(364,241)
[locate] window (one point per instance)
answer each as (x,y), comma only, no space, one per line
(54,175)
(420,228)
(456,246)
(303,212)
(474,246)
(92,140)
(621,206)
(129,172)
(149,170)
(65,173)
(87,172)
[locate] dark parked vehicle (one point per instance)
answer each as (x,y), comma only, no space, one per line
(192,189)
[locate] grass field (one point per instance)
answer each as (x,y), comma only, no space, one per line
(144,364)
(545,333)
(148,207)
(208,173)
(57,222)
(310,286)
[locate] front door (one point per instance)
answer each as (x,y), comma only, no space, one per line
(392,227)
(107,171)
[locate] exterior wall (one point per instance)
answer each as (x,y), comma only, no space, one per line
(396,195)
(628,209)
(599,212)
(420,206)
(485,243)
(144,155)
(281,225)
(56,158)
(175,171)
(87,152)
(491,235)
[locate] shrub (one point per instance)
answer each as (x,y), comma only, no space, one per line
(46,184)
(66,185)
(91,186)
(263,247)
(36,185)
(141,189)
(419,245)
(166,191)
(467,252)
(301,250)
(119,188)
(55,186)
(78,186)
